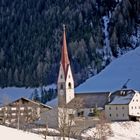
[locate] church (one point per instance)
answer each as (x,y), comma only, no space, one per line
(85,104)
(76,104)
(65,85)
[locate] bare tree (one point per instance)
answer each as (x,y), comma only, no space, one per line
(65,121)
(103,128)
(66,117)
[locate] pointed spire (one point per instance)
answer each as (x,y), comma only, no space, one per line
(64,54)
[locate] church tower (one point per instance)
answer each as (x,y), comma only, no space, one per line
(65,83)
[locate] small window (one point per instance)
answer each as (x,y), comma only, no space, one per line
(116,115)
(109,108)
(61,86)
(110,115)
(69,76)
(80,114)
(123,107)
(61,76)
(139,107)
(132,107)
(135,107)
(71,116)
(116,108)
(137,100)
(123,115)
(69,85)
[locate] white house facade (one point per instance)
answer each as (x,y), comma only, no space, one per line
(123,105)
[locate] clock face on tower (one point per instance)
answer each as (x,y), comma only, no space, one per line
(61,92)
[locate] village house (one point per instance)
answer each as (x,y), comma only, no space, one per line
(123,105)
(23,110)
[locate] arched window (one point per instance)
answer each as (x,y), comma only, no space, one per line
(69,85)
(61,86)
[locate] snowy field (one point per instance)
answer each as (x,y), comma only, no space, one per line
(7,133)
(121,131)
(116,74)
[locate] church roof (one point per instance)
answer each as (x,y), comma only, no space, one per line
(89,100)
(64,54)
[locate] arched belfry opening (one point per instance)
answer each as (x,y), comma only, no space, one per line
(69,85)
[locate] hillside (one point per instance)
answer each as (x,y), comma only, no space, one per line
(31,33)
(114,76)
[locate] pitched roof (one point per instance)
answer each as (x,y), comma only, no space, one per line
(89,100)
(64,54)
(28,100)
(121,97)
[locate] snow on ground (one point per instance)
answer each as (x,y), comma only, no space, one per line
(7,133)
(125,131)
(12,93)
(121,131)
(116,74)
(107,49)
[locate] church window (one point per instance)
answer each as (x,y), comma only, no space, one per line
(61,86)
(69,85)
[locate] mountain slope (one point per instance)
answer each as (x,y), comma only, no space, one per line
(31,33)
(116,74)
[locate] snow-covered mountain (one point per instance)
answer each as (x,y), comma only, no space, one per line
(111,78)
(115,75)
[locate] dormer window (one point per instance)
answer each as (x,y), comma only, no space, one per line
(69,85)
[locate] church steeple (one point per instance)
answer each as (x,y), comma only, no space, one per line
(64,56)
(65,83)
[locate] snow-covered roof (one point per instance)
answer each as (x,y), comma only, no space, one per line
(122,97)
